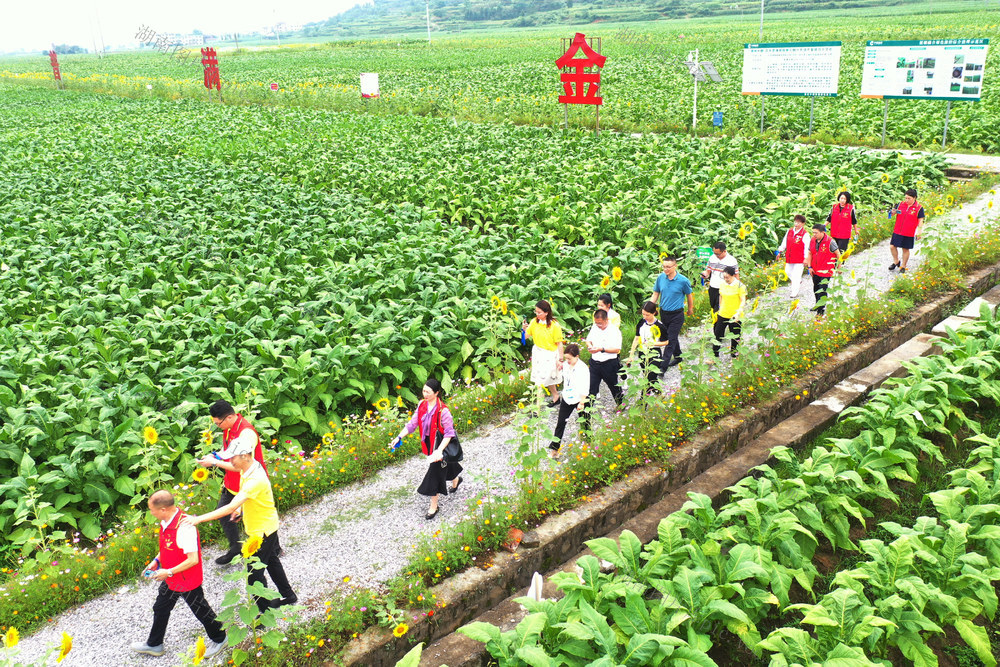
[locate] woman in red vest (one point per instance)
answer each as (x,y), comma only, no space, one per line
(178,569)
(794,247)
(843,218)
(437,428)
(822,254)
(909,216)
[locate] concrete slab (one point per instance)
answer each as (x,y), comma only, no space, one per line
(953,322)
(973,310)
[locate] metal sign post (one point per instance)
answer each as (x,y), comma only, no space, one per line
(812,112)
(762,112)
(885,119)
(947,115)
(581,77)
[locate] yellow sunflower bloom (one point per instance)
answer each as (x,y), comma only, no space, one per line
(199,475)
(199,651)
(503,307)
(65,646)
(655,331)
(400,630)
(207,436)
(399,402)
(616,273)
(382,404)
(885,178)
(495,300)
(938,210)
(793,306)
(606,282)
(663,256)
(742,233)
(715,317)
(756,302)
(327,439)
(150,435)
(11,637)
(251,546)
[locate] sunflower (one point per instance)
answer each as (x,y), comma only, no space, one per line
(199,651)
(663,256)
(503,307)
(11,637)
(199,475)
(655,331)
(382,404)
(793,306)
(400,630)
(885,178)
(327,439)
(606,282)
(65,646)
(938,210)
(950,200)
(251,546)
(756,302)
(495,300)
(742,233)
(150,435)
(207,436)
(715,317)
(616,273)
(399,402)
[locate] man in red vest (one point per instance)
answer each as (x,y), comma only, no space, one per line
(909,215)
(235,429)
(178,569)
(822,254)
(794,247)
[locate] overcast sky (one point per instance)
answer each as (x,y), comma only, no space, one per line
(35,24)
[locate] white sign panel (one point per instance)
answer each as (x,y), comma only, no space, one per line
(935,69)
(369,85)
(791,68)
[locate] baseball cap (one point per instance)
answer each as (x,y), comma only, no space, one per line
(238,446)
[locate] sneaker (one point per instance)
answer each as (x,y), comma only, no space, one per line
(212,648)
(146,649)
(227,558)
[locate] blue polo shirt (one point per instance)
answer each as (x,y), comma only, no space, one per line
(672,292)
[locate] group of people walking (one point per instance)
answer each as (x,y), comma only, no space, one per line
(246,494)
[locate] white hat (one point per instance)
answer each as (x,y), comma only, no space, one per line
(238,446)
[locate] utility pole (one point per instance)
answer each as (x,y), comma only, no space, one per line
(694,110)
(428,22)
(100,33)
(760,37)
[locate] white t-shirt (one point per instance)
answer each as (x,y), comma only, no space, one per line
(716,265)
(609,338)
(187,536)
(576,382)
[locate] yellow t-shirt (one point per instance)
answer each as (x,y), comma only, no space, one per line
(547,338)
(730,297)
(260,517)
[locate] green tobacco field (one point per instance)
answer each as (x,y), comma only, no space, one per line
(510,76)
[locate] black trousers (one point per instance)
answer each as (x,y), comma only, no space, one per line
(606,372)
(565,410)
(820,283)
(165,601)
(713,298)
(842,244)
(720,331)
(230,528)
(268,555)
(673,320)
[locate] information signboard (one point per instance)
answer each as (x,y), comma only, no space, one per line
(931,69)
(791,68)
(369,85)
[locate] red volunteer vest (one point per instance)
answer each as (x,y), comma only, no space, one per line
(435,425)
(822,260)
(906,219)
(232,478)
(840,222)
(172,556)
(795,246)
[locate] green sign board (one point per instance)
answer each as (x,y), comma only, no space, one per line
(704,253)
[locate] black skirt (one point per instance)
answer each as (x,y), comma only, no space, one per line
(437,477)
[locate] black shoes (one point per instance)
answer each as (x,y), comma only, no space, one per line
(893,265)
(431,515)
(227,558)
(281,602)
(454,489)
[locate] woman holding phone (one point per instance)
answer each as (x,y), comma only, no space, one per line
(437,428)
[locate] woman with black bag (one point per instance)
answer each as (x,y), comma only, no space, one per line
(438,442)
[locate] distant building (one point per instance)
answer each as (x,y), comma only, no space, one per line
(184,40)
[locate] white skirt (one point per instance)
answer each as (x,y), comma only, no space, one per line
(543,366)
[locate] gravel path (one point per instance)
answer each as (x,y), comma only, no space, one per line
(365,531)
